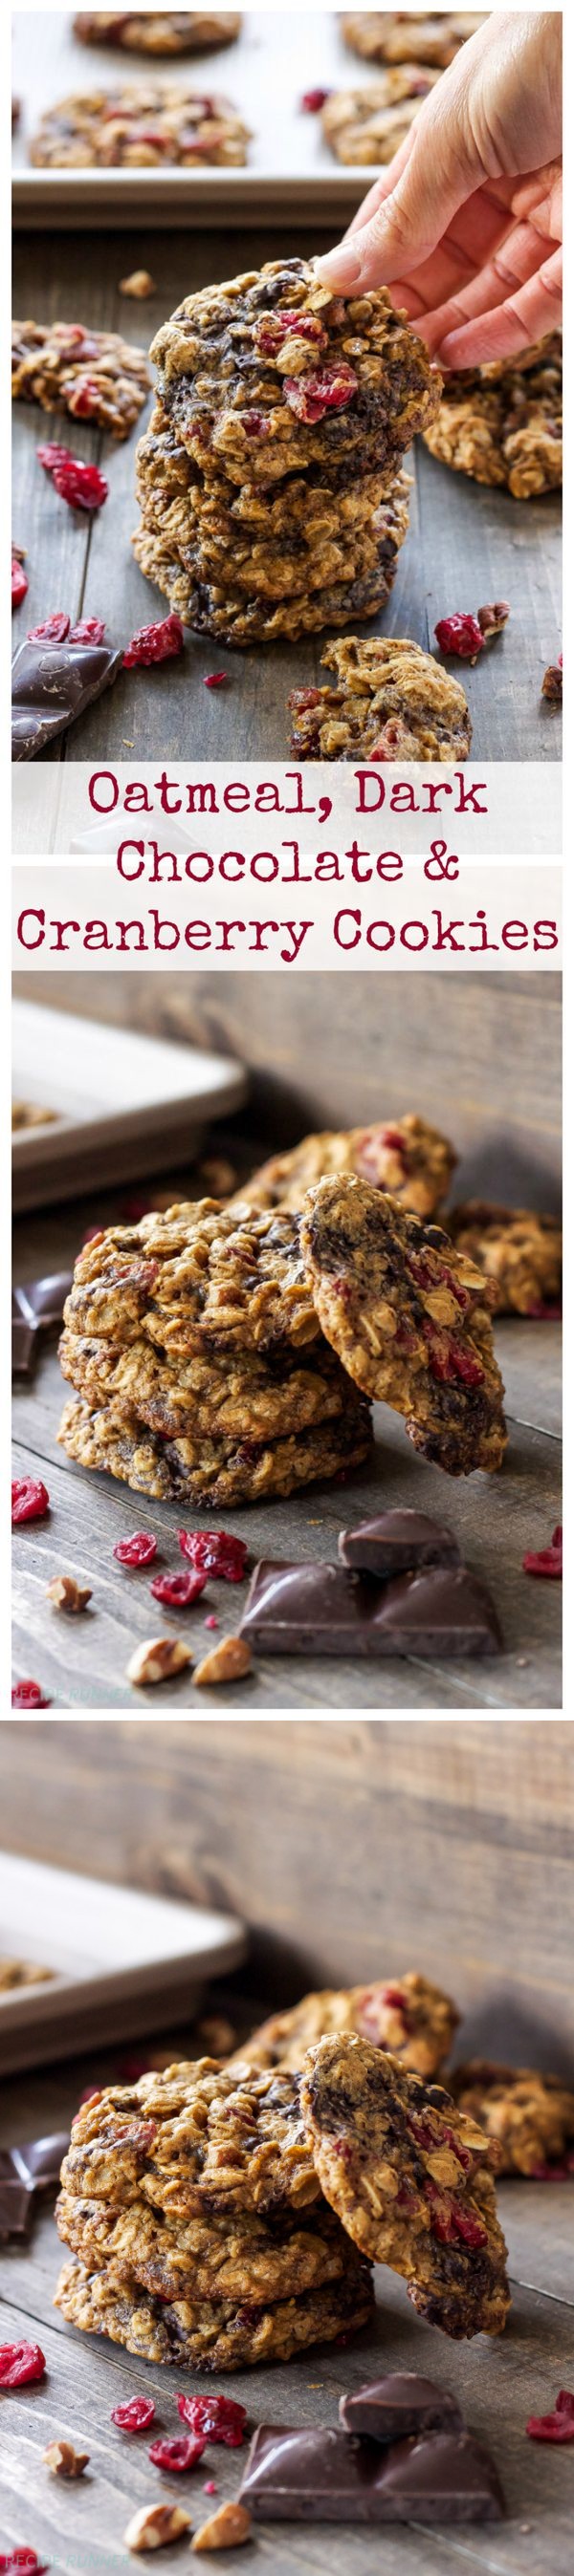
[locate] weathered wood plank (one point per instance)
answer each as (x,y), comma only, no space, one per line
(465,545)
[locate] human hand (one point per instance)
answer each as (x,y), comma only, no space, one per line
(466,223)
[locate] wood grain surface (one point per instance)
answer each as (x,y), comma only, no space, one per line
(352,1849)
(466,544)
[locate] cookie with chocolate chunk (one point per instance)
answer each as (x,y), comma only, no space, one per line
(502,423)
(407,2015)
(140,128)
(402,1155)
(196,1274)
(389,701)
(529,2114)
(158,31)
(197,1468)
(203,2335)
(367,126)
(194,2139)
(519,1252)
(227,2256)
(389,36)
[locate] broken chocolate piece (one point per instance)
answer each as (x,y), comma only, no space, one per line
(325,1610)
(37,1306)
(52,684)
(401,2403)
(24,2171)
(396,1542)
(324,2476)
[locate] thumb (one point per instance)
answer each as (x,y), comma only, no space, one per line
(442,170)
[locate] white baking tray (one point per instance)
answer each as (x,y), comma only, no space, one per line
(124,1103)
(125,1962)
(290,172)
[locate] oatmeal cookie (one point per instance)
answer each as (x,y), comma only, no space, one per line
(93,375)
(369,125)
(389,701)
(410,2177)
(230,1396)
(196,1274)
(530,2115)
(386,36)
(136,127)
(212,609)
(521,1253)
(194,2140)
(502,424)
(221,1473)
(199,529)
(225,2257)
(159,31)
(271,372)
(305,505)
(206,2336)
(409,1317)
(410,2017)
(406,1157)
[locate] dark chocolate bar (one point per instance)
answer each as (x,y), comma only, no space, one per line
(51,685)
(397,1543)
(37,1307)
(399,2404)
(315,1609)
(325,2476)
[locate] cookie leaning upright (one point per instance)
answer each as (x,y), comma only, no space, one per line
(410,2177)
(264,379)
(409,1318)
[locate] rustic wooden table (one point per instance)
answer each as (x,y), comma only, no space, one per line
(499,2385)
(81,1662)
(466,545)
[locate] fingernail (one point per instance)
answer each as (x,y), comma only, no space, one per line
(339,267)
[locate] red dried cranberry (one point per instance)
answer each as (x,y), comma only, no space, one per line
(311,396)
(84,400)
(394,1141)
(216,680)
(137,2412)
(553,2173)
(545,1314)
(53,630)
(313,100)
(277,327)
(90,630)
(22,2562)
(209,2487)
(30,1499)
(180,2453)
(217,2419)
(20,2362)
(395,1999)
(19,582)
(460,635)
(154,643)
(211,1622)
(51,455)
(546,1560)
(302,698)
(254,424)
(29,1695)
(139,1550)
(558,2427)
(81,485)
(178,1590)
(214,1553)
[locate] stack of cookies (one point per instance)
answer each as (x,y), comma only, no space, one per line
(222,2217)
(272,497)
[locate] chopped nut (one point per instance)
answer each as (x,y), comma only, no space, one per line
(492,618)
(226,2529)
(139,284)
(155,2525)
(157,1660)
(552,684)
(67,1594)
(228,1662)
(64,2461)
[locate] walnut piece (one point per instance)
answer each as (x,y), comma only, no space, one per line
(139,284)
(228,1662)
(155,2526)
(226,2529)
(493,618)
(157,1660)
(64,2461)
(67,1594)
(552,684)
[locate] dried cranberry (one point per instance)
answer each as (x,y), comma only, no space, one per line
(51,455)
(255,424)
(211,1622)
(217,2419)
(53,630)
(181,2453)
(90,630)
(19,582)
(460,635)
(20,2362)
(276,327)
(395,2000)
(139,1550)
(558,2427)
(553,2173)
(546,1560)
(81,485)
(30,1499)
(154,643)
(302,698)
(313,100)
(137,2412)
(311,396)
(209,2487)
(545,1314)
(178,1590)
(29,1695)
(395,1143)
(84,400)
(214,1553)
(216,680)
